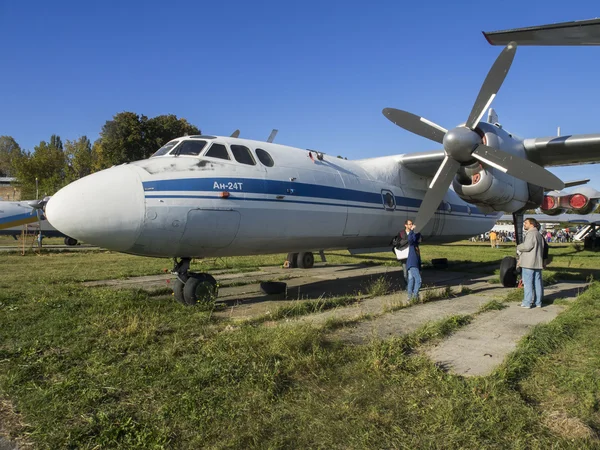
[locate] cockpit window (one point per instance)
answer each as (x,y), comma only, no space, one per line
(191,148)
(165,148)
(264,157)
(218,151)
(242,155)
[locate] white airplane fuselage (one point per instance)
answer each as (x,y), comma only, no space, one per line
(201,206)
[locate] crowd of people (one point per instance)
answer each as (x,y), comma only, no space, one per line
(559,235)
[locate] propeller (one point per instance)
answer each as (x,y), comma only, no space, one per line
(463,144)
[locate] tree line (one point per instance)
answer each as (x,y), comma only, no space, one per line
(127,137)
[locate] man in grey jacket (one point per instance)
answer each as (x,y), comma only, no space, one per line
(532,262)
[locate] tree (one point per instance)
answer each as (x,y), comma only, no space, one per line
(79,158)
(10,152)
(47,164)
(162,129)
(56,142)
(122,139)
(129,137)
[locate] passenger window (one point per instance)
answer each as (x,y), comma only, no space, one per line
(242,155)
(191,148)
(264,157)
(218,151)
(389,201)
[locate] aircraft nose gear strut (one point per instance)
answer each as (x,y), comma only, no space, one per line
(191,288)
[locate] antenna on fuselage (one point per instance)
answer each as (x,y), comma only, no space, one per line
(235,134)
(492,116)
(272,135)
(558,132)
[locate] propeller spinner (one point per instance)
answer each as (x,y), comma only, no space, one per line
(463,144)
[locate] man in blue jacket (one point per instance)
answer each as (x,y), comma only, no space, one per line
(413,263)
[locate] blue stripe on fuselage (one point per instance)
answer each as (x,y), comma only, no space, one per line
(15,218)
(276,187)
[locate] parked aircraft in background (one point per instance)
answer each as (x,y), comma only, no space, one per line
(206,196)
(15,215)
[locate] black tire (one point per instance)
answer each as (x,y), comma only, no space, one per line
(200,287)
(306,260)
(439,263)
(273,287)
(292,258)
(508,271)
(178,286)
(70,241)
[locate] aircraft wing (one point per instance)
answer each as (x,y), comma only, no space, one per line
(564,150)
(568,218)
(580,32)
(423,163)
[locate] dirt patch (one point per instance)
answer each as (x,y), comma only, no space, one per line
(560,423)
(12,428)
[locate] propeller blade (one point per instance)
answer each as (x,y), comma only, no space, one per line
(518,167)
(36,204)
(437,189)
(415,124)
(492,84)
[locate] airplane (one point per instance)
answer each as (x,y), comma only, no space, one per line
(14,215)
(208,196)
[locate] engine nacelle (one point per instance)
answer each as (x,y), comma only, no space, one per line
(488,188)
(551,205)
(578,203)
(581,204)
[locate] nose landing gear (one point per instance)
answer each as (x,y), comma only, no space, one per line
(191,288)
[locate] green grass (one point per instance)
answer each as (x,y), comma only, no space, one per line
(101,368)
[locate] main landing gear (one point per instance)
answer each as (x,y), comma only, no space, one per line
(509,273)
(303,260)
(191,288)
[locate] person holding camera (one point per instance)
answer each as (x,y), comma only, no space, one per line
(413,262)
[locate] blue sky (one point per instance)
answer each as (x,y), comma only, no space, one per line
(319,71)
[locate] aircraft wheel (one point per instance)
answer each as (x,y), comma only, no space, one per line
(178,286)
(306,260)
(508,271)
(292,258)
(200,287)
(70,241)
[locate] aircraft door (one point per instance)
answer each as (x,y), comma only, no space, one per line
(209,229)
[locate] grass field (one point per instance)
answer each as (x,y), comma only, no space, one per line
(98,368)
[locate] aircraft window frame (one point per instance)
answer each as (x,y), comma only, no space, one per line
(245,151)
(213,144)
(191,143)
(167,149)
(267,154)
(388,199)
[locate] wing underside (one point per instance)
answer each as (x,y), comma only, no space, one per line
(564,150)
(581,32)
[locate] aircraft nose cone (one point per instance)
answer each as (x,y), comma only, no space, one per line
(104,209)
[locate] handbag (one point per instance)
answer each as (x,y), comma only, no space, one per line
(401,253)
